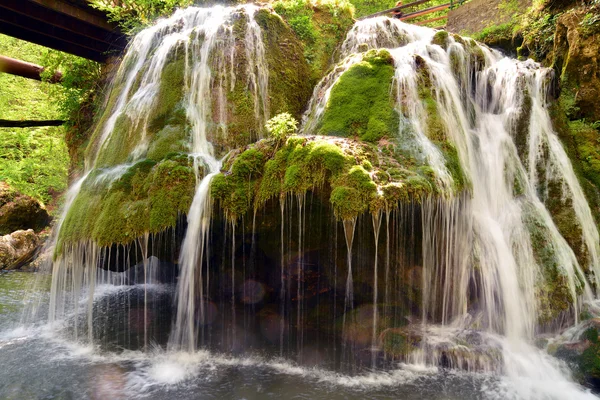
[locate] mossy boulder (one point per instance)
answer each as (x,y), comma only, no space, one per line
(147,197)
(582,353)
(19,211)
(361,104)
(236,115)
(142,178)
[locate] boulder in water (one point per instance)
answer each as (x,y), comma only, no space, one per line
(18,249)
(19,211)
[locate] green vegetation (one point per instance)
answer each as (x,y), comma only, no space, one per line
(361,103)
(290,80)
(553,291)
(281,126)
(132,15)
(355,176)
(32,160)
(321,26)
(148,197)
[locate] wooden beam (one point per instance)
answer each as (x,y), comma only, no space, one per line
(38,13)
(4,123)
(390,10)
(425,11)
(49,29)
(48,41)
(80,11)
(432,20)
(25,69)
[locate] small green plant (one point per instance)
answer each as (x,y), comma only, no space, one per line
(282,126)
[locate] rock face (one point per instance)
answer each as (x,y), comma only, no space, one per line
(581,352)
(18,249)
(19,211)
(577,60)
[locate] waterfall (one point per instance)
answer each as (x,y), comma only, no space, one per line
(206,38)
(480,242)
(459,278)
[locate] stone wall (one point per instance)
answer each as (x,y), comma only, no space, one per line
(477,15)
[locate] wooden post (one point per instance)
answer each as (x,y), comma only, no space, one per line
(25,69)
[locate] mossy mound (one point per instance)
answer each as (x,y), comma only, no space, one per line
(362,103)
(356,176)
(147,198)
(233,120)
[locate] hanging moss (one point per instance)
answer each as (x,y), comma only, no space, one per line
(354,176)
(148,197)
(553,291)
(361,102)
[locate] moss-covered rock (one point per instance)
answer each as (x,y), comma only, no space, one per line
(149,149)
(553,291)
(356,176)
(361,104)
(19,211)
(147,198)
(289,73)
(321,26)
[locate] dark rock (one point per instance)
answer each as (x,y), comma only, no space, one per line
(19,211)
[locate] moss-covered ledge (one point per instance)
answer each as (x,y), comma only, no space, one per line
(116,207)
(358,177)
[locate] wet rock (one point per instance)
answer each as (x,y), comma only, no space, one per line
(18,249)
(19,211)
(581,352)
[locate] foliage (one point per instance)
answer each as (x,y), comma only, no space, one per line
(321,25)
(132,15)
(282,125)
(32,160)
(80,84)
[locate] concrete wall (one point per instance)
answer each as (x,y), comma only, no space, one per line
(477,15)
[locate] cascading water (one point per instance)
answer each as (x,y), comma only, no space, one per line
(454,279)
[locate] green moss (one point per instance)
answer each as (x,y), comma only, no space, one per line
(553,289)
(166,110)
(333,167)
(148,197)
(170,139)
(321,26)
(441,39)
(361,104)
